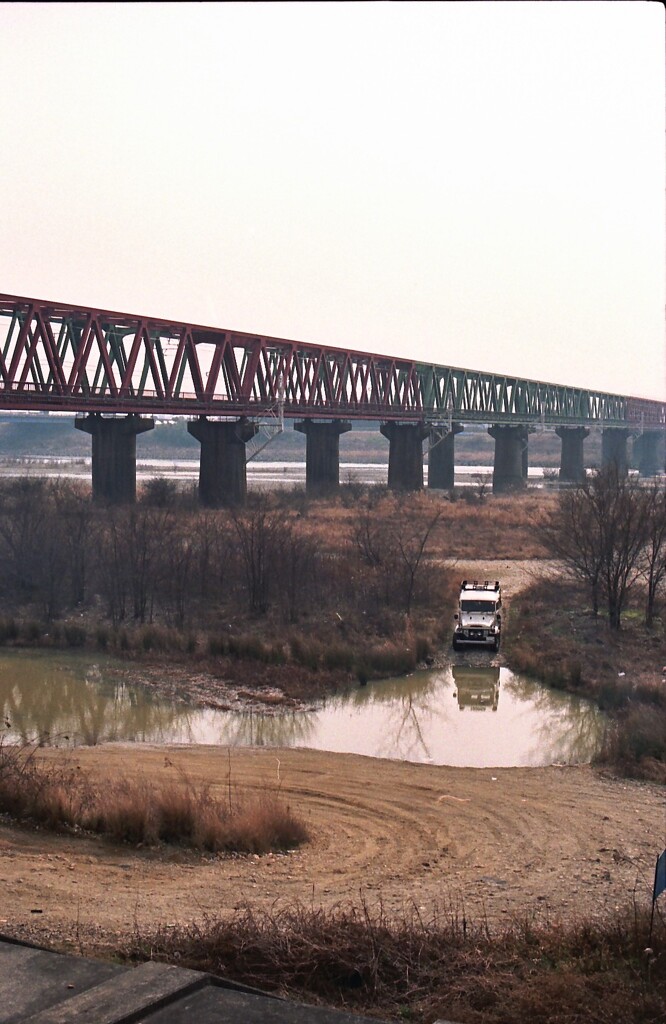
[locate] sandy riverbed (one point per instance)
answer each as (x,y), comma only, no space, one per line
(566,841)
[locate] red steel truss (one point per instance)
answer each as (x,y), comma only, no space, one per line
(74,359)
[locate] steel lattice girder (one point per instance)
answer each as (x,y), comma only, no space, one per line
(70,358)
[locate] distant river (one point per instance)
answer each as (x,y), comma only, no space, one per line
(259,474)
(476,716)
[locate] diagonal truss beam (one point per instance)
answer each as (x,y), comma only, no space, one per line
(55,356)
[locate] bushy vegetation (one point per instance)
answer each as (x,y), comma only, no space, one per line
(553,635)
(272,584)
(168,561)
(58,795)
(439,967)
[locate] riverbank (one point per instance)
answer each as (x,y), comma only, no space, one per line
(489,844)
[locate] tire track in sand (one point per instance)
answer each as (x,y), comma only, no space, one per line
(495,843)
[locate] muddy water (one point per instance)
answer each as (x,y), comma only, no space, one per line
(475,716)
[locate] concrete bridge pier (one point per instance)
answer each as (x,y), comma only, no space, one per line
(572,465)
(405,467)
(614,449)
(441,457)
(510,464)
(113,454)
(646,452)
(322,454)
(525,453)
(222,464)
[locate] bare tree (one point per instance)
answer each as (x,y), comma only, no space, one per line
(111,568)
(624,535)
(74,511)
(411,538)
(393,544)
(131,559)
(24,526)
(147,529)
(654,552)
(573,534)
(297,568)
(178,557)
(260,534)
(599,531)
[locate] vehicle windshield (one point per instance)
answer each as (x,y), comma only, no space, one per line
(478,606)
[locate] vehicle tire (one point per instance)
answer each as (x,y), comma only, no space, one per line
(455,644)
(496,645)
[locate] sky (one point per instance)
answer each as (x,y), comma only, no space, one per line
(474,184)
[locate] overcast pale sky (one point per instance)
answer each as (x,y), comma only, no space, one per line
(472,184)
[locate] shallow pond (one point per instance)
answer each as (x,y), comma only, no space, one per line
(475,716)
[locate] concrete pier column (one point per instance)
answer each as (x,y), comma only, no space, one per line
(222,472)
(322,454)
(646,452)
(441,457)
(510,465)
(113,454)
(572,465)
(614,449)
(405,468)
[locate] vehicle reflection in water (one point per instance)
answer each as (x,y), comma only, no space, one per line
(60,699)
(477,688)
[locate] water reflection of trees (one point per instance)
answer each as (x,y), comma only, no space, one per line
(570,728)
(412,708)
(56,699)
(60,701)
(256,729)
(415,709)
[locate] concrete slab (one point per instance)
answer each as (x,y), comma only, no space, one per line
(131,995)
(211,1005)
(41,987)
(31,980)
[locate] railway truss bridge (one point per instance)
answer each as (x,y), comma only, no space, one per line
(115,372)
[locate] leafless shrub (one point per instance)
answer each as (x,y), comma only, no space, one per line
(440,967)
(636,742)
(392,545)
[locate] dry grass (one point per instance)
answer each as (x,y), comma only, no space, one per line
(415,969)
(553,636)
(58,795)
(469,526)
(636,742)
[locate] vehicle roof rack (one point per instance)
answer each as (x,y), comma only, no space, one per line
(478,585)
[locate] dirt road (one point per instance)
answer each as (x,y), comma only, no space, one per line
(493,843)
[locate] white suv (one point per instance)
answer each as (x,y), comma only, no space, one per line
(478,619)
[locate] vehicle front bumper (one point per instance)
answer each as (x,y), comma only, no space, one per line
(477,637)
